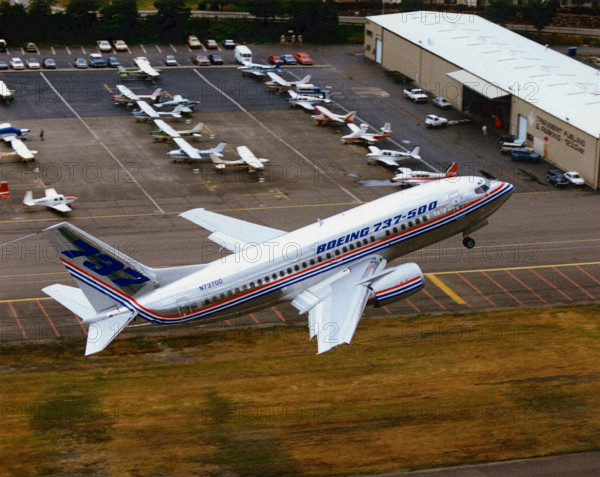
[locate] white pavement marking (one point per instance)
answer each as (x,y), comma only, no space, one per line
(22,52)
(68,50)
(158,48)
(127,173)
(173,48)
(52,49)
(143,49)
(83,50)
(272,133)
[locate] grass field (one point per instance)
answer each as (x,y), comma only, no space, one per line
(408,393)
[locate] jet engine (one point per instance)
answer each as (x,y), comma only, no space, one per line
(396,283)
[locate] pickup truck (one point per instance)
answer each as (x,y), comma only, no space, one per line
(417,95)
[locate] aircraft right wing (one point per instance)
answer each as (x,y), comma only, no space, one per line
(61,207)
(190,150)
(304,104)
(125,91)
(164,127)
(277,79)
(335,305)
(353,127)
(249,158)
(22,150)
(230,232)
(147,109)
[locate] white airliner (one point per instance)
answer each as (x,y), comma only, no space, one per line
(392,158)
(189,152)
(360,134)
(329,269)
(257,69)
(409,177)
(129,98)
(278,84)
(147,112)
(167,133)
(51,199)
(14,136)
(326,117)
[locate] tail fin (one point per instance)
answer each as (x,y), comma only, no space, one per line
(28,198)
(374,150)
(304,80)
(219,149)
(452,170)
(4,192)
(156,95)
(278,66)
(414,152)
(198,127)
(387,128)
(349,118)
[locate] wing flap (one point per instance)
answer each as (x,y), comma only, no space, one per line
(239,230)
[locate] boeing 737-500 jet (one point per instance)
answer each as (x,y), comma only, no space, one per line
(329,269)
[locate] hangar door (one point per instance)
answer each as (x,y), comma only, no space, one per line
(378,52)
(522,131)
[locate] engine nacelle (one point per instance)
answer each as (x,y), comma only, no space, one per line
(396,283)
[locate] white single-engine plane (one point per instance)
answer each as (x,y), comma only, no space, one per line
(147,112)
(327,117)
(257,69)
(51,199)
(360,134)
(144,71)
(176,101)
(278,84)
(166,133)
(392,158)
(129,98)
(15,136)
(247,160)
(188,152)
(407,176)
(338,265)
(308,98)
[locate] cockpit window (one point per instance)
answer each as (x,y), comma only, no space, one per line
(484,186)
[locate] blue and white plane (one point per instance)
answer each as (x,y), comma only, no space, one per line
(257,69)
(329,269)
(14,136)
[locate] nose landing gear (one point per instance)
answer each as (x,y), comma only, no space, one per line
(468,242)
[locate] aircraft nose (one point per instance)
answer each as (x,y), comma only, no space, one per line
(506,188)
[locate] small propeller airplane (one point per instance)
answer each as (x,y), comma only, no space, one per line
(327,117)
(391,158)
(360,134)
(147,112)
(14,136)
(144,71)
(129,98)
(188,152)
(407,176)
(176,101)
(6,93)
(166,133)
(309,99)
(4,192)
(51,199)
(247,159)
(278,84)
(257,69)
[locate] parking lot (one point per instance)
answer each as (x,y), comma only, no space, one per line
(539,249)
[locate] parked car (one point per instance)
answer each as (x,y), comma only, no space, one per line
(506,147)
(17,64)
(113,61)
(120,45)
(417,95)
(49,63)
(303,58)
(33,64)
(96,60)
(556,178)
(170,60)
(104,46)
(229,44)
(80,63)
(211,44)
(433,121)
(31,47)
(289,59)
(274,59)
(193,42)
(574,178)
(201,60)
(215,59)
(3,45)
(441,102)
(524,154)
(3,65)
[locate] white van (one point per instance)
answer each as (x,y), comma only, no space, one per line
(243,54)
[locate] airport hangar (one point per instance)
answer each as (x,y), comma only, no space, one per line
(535,93)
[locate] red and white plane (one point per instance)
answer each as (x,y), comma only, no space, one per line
(360,134)
(51,199)
(326,117)
(129,98)
(407,176)
(4,192)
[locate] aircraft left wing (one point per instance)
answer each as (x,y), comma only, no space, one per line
(190,150)
(277,79)
(125,91)
(230,232)
(249,158)
(61,207)
(335,305)
(145,66)
(147,109)
(304,104)
(22,150)
(164,127)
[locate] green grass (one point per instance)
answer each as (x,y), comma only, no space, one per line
(408,393)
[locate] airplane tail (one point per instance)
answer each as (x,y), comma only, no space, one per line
(387,128)
(349,118)
(278,66)
(374,151)
(155,95)
(452,170)
(414,152)
(4,192)
(110,283)
(304,80)
(218,151)
(28,199)
(198,128)
(293,94)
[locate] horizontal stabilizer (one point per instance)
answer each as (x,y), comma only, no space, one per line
(102,332)
(72,298)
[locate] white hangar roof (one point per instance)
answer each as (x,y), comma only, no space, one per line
(551,81)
